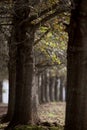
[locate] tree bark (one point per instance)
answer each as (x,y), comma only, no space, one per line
(76,100)
(46,86)
(56,89)
(25,101)
(61,88)
(25,110)
(39,88)
(52,88)
(12,80)
(0,92)
(43,100)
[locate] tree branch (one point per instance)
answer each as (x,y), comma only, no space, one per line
(34,17)
(38,40)
(50,16)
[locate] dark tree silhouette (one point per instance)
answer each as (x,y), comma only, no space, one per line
(0,92)
(76,107)
(25,109)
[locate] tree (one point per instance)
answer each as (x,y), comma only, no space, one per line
(12,80)
(24,27)
(6,62)
(0,92)
(76,100)
(25,110)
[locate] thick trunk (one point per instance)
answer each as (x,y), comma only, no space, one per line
(76,100)
(0,92)
(25,102)
(25,110)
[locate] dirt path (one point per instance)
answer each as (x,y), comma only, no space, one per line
(49,112)
(3,109)
(52,112)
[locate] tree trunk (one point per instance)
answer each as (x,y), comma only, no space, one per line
(76,100)
(39,88)
(25,102)
(43,89)
(52,87)
(61,88)
(0,92)
(56,90)
(12,80)
(25,110)
(46,86)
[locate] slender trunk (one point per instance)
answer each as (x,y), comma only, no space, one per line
(46,86)
(12,80)
(39,88)
(52,87)
(76,107)
(56,90)
(61,93)
(0,92)
(61,89)
(43,89)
